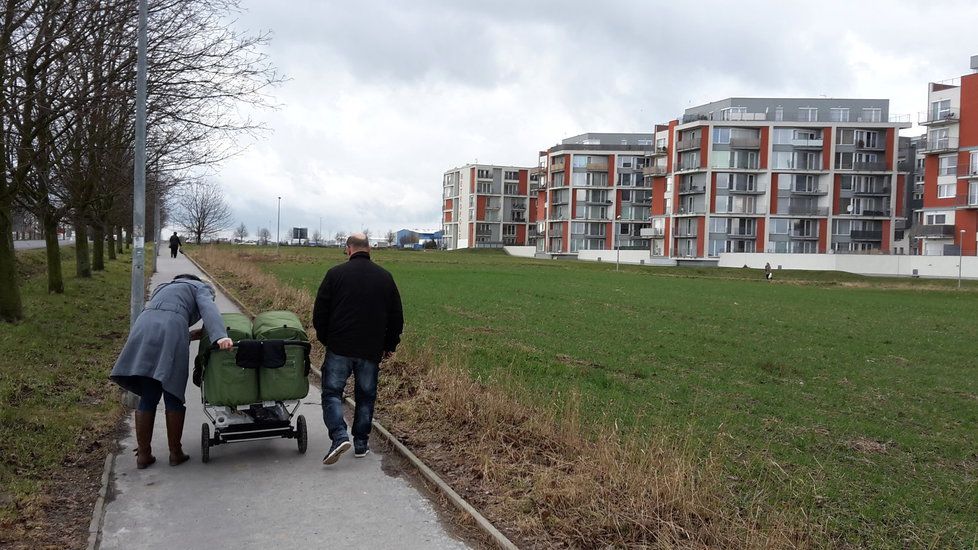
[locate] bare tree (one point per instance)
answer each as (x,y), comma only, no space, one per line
(240,232)
(202,211)
(340,237)
(390,236)
(317,236)
(264,235)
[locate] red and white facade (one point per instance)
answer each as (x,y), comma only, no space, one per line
(799,175)
(489,206)
(949,215)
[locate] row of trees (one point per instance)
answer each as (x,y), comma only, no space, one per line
(67,111)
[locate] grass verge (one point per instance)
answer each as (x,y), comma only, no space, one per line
(58,411)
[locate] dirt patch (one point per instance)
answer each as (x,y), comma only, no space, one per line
(870,446)
(59,516)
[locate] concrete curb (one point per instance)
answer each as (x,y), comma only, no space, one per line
(98,512)
(484,524)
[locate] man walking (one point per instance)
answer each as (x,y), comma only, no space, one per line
(174,244)
(358,318)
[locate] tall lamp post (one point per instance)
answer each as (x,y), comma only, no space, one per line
(278,223)
(960,257)
(137,295)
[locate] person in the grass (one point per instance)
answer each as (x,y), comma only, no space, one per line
(155,361)
(358,318)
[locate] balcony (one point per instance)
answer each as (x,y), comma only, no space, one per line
(660,150)
(745,142)
(938,231)
(688,143)
(805,210)
(870,166)
(871,212)
(968,201)
(806,143)
(596,200)
(654,171)
(867,235)
(741,166)
(802,235)
(968,171)
(692,189)
(518,207)
(744,190)
(802,167)
(876,190)
(935,118)
(880,145)
(689,166)
(597,166)
(810,191)
(685,233)
(691,212)
(742,233)
(938,145)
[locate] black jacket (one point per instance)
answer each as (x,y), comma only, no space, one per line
(358,310)
(174,241)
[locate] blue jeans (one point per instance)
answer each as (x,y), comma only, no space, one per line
(150,392)
(336,371)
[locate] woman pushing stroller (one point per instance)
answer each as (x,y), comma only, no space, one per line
(154,363)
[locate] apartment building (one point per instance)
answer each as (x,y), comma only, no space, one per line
(489,206)
(783,175)
(593,194)
(949,213)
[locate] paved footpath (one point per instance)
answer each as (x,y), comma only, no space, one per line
(261,494)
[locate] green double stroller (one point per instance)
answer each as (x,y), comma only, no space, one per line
(252,391)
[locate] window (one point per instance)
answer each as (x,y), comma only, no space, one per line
(511,189)
(721,135)
(808,114)
(779,113)
(839,114)
(946,190)
(973,167)
(873,114)
(483,188)
(843,161)
(482,173)
(779,226)
(845,136)
(783,136)
(509,230)
(936,219)
(939,139)
(940,109)
(947,165)
(512,175)
(867,139)
(841,227)
(580,161)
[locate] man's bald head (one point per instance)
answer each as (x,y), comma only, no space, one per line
(357,242)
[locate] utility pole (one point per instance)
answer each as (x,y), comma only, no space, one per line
(960,257)
(137,294)
(278,223)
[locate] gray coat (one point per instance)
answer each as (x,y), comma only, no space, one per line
(159,343)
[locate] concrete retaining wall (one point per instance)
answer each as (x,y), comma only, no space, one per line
(627,257)
(521,251)
(863,264)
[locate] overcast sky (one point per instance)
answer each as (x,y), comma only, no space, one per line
(386,96)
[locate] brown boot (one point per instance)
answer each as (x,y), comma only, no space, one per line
(174,433)
(144,439)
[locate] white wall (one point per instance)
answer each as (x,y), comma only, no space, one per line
(863,264)
(521,251)
(627,257)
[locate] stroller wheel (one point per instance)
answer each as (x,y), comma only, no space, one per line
(302,436)
(205,443)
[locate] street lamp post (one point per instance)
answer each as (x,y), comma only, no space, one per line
(278,224)
(960,257)
(137,295)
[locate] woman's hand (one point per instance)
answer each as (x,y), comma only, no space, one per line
(225,343)
(196,334)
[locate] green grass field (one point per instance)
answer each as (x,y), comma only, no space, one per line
(851,400)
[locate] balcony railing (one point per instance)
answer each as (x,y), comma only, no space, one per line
(660,150)
(804,210)
(689,143)
(871,212)
(745,142)
(744,190)
(936,230)
(802,166)
(740,166)
(596,166)
(880,145)
(878,190)
(738,232)
(803,235)
(940,144)
(870,166)
(685,233)
(805,190)
(692,189)
(968,201)
(806,143)
(968,171)
(944,116)
(654,171)
(699,211)
(690,165)
(866,235)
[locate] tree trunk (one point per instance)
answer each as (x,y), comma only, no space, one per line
(129,238)
(83,262)
(98,247)
(56,282)
(111,242)
(118,242)
(11,308)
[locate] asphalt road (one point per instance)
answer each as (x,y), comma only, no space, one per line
(28,245)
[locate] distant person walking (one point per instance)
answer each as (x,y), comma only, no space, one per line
(767,271)
(358,318)
(174,244)
(155,361)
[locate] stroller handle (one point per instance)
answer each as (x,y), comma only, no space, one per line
(297,343)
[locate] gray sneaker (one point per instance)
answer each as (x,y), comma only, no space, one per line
(335,450)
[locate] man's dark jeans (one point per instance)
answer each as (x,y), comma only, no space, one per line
(336,371)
